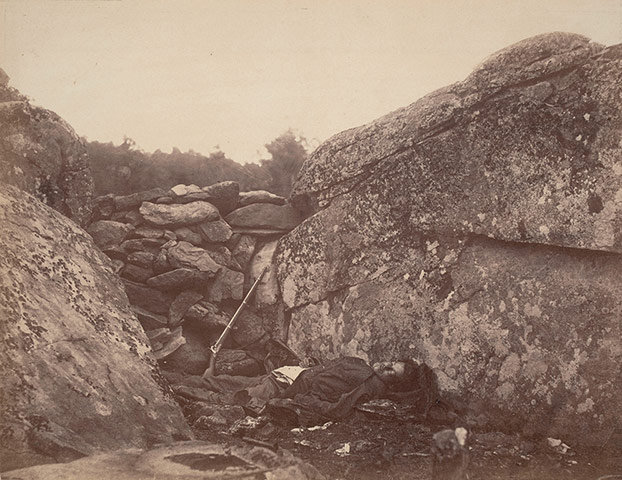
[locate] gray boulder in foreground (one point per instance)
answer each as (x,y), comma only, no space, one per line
(78,375)
(478,230)
(179,461)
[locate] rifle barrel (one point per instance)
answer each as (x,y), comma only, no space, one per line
(221,340)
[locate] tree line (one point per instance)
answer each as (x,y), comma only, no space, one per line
(125,169)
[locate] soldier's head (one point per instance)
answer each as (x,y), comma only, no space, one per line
(403,375)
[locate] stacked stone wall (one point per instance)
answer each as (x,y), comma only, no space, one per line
(187,257)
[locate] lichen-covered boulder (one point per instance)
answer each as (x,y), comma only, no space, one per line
(479,230)
(77,372)
(41,154)
(525,149)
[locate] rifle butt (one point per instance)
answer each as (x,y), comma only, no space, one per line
(211,369)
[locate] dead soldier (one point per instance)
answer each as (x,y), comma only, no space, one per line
(312,395)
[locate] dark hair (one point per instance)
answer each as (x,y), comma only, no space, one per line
(418,387)
(410,380)
(418,383)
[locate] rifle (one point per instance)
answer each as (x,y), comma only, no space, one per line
(218,345)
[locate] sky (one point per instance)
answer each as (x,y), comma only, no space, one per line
(233,75)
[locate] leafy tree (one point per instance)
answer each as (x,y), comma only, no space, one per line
(125,169)
(288,152)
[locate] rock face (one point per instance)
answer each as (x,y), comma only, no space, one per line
(78,375)
(41,154)
(479,230)
(525,149)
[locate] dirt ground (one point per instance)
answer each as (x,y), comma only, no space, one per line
(369,446)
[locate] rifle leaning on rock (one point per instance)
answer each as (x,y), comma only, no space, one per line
(218,345)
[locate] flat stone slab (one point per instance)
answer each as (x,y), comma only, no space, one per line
(126,202)
(182,460)
(260,196)
(264,216)
(178,215)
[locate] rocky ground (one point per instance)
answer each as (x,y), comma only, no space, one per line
(373,446)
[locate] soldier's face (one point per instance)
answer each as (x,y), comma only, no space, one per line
(389,370)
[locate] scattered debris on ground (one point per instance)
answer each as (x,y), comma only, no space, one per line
(370,445)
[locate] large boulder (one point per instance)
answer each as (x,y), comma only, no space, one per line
(178,461)
(77,372)
(525,149)
(41,154)
(479,230)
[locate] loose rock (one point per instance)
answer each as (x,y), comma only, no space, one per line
(107,234)
(178,215)
(181,304)
(187,255)
(179,278)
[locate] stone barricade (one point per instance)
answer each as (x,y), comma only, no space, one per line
(187,256)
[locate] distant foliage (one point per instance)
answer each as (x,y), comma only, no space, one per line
(125,169)
(288,152)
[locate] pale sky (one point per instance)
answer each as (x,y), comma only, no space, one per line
(195,74)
